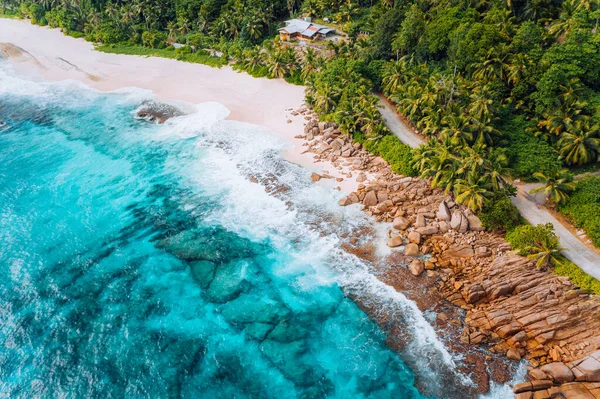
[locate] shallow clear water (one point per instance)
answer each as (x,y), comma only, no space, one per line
(139,260)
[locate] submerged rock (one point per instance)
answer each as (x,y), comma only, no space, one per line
(203,272)
(258,331)
(253,309)
(229,282)
(215,245)
(287,357)
(288,331)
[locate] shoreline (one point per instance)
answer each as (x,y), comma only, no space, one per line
(43,53)
(506,306)
(470,280)
(274,104)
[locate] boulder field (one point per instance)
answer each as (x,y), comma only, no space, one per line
(512,308)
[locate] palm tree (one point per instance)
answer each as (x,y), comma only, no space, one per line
(495,169)
(457,128)
(565,21)
(546,251)
(171,28)
(496,65)
(392,79)
(184,26)
(326,98)
(277,64)
(472,192)
(555,186)
(253,59)
(483,132)
(520,63)
(535,9)
(580,144)
(481,103)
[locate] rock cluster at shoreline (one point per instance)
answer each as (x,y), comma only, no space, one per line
(512,308)
(157,112)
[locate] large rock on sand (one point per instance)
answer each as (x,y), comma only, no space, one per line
(558,371)
(411,249)
(414,237)
(370,199)
(475,223)
(400,223)
(394,242)
(428,230)
(459,222)
(444,212)
(416,267)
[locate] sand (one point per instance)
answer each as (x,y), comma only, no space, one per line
(46,54)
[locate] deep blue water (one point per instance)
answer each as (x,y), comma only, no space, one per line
(139,260)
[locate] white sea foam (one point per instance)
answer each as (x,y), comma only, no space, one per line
(235,151)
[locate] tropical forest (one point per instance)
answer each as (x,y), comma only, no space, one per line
(500,89)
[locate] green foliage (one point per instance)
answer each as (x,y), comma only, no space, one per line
(61,18)
(556,186)
(381,38)
(526,235)
(528,154)
(200,57)
(395,152)
(500,214)
(156,40)
(583,207)
(538,243)
(577,276)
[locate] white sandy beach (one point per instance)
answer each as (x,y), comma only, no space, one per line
(49,55)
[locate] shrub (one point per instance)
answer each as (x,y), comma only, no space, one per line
(538,243)
(36,13)
(107,34)
(583,207)
(155,40)
(394,151)
(61,18)
(528,154)
(527,235)
(577,276)
(500,214)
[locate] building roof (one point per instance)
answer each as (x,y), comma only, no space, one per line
(304,28)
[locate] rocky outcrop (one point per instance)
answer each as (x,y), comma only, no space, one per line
(511,307)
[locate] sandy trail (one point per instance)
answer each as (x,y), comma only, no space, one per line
(40,53)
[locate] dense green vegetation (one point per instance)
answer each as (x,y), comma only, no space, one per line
(181,54)
(541,244)
(583,208)
(578,277)
(536,242)
(500,88)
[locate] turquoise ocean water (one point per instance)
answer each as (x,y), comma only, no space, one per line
(139,260)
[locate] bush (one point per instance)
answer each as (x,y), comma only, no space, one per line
(577,276)
(156,40)
(61,18)
(583,208)
(500,214)
(395,152)
(36,13)
(107,34)
(528,154)
(527,235)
